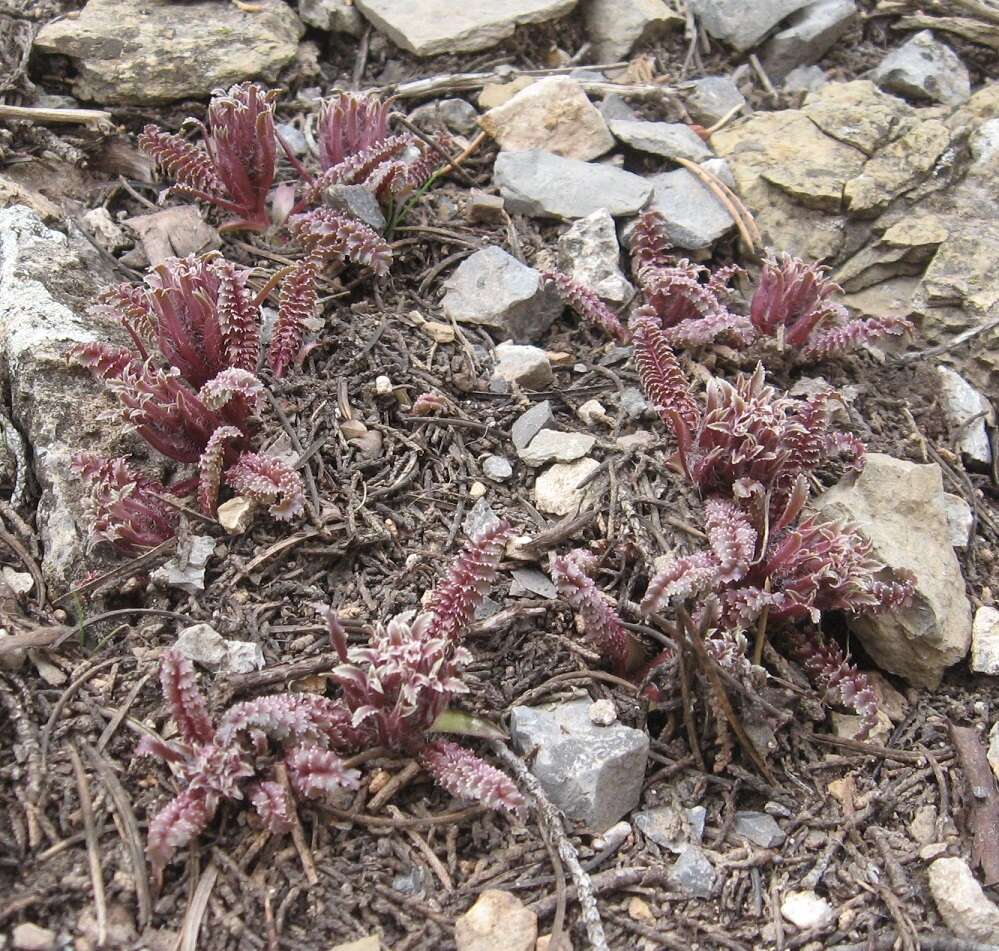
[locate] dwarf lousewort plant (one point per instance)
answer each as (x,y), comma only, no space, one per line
(233,760)
(793,303)
(749,450)
(348,124)
(234,170)
(748,439)
(392,692)
(692,305)
(190,389)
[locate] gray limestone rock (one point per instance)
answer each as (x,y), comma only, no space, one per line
(742,24)
(594,774)
(616,26)
(694,217)
(548,186)
(523,365)
(809,34)
(590,254)
(967,412)
(531,422)
(550,445)
(694,873)
(429,27)
(358,201)
(47,281)
(760,829)
(164,55)
(497,468)
(805,79)
(712,98)
(925,68)
(458,115)
(494,289)
(669,139)
(334,16)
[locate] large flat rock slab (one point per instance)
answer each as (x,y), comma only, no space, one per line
(46,283)
(429,27)
(134,51)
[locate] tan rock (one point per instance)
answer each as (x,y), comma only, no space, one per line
(496,922)
(896,168)
(553,114)
(162,56)
(495,94)
(858,114)
(964,907)
(12,193)
(556,490)
(899,506)
(791,176)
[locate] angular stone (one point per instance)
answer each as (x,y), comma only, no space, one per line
(333,16)
(484,209)
(202,644)
(495,94)
(589,253)
(805,79)
(806,910)
(960,518)
(47,281)
(548,186)
(615,27)
(496,922)
(967,412)
(613,106)
(669,139)
(760,829)
(162,57)
(985,641)
(525,366)
(550,445)
(494,289)
(530,423)
(173,233)
(186,570)
(235,515)
(671,827)
(712,98)
(925,68)
(480,518)
(429,27)
(896,168)
(458,115)
(593,774)
(357,201)
(694,873)
(742,24)
(497,468)
(31,937)
(532,581)
(694,217)
(903,250)
(553,114)
(810,33)
(965,908)
(858,114)
(557,491)
(899,506)
(243,657)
